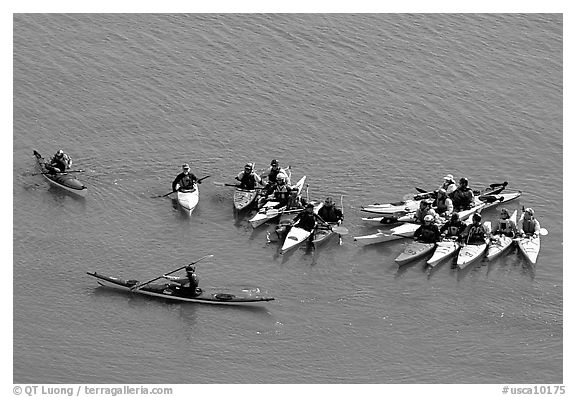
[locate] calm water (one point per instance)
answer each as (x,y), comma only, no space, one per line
(366,106)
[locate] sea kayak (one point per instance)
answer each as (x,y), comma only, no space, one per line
(413,251)
(392,210)
(268,212)
(379,237)
(500,243)
(470,253)
(243,198)
(63,180)
(322,234)
(188,198)
(444,250)
(296,235)
(530,247)
(173,291)
(493,200)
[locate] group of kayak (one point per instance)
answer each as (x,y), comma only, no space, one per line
(443,223)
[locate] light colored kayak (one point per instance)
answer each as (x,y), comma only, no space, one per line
(295,237)
(444,250)
(374,238)
(188,199)
(530,247)
(470,253)
(321,234)
(243,198)
(267,212)
(413,251)
(396,210)
(500,243)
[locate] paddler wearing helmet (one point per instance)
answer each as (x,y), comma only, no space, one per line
(463,198)
(185,180)
(505,225)
(528,224)
(428,232)
(188,284)
(281,191)
(475,233)
(60,162)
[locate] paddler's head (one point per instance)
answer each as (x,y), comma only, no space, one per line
(60,153)
(428,219)
(248,168)
(185,168)
(476,218)
(455,217)
(310,207)
(328,202)
(528,213)
(463,182)
(281,179)
(190,269)
(504,214)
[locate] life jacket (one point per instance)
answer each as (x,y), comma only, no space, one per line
(476,234)
(441,206)
(282,193)
(529,226)
(248,181)
(450,187)
(420,214)
(454,229)
(463,198)
(428,233)
(506,226)
(187,182)
(329,214)
(307,221)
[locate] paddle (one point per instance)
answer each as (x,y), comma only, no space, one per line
(168,194)
(491,199)
(137,286)
(225,184)
(341,209)
(61,172)
(495,185)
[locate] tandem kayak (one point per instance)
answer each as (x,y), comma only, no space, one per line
(63,180)
(413,251)
(188,198)
(444,249)
(500,243)
(173,291)
(530,247)
(243,198)
(268,211)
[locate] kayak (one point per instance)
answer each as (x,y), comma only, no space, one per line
(63,180)
(321,234)
(244,197)
(413,251)
(173,291)
(530,247)
(379,237)
(392,210)
(188,198)
(444,250)
(500,243)
(493,200)
(296,235)
(268,211)
(382,220)
(470,253)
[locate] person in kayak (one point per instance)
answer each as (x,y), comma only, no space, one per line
(185,180)
(453,228)
(424,209)
(475,233)
(428,232)
(330,213)
(443,204)
(529,225)
(307,219)
(463,197)
(60,162)
(273,173)
(505,225)
(281,191)
(295,202)
(449,185)
(189,283)
(248,178)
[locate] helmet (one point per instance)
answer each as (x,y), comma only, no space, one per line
(274,162)
(328,201)
(449,177)
(309,205)
(281,177)
(504,211)
(529,211)
(249,166)
(190,269)
(185,166)
(428,218)
(60,153)
(477,217)
(464,181)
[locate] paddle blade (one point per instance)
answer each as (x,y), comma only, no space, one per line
(341,230)
(543,231)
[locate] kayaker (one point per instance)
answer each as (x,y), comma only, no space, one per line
(528,225)
(475,233)
(248,178)
(273,172)
(505,224)
(330,213)
(60,162)
(189,283)
(307,219)
(185,180)
(428,232)
(449,185)
(295,201)
(463,198)
(281,191)
(424,209)
(443,204)
(453,228)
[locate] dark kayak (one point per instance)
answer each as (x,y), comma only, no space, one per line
(64,180)
(173,291)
